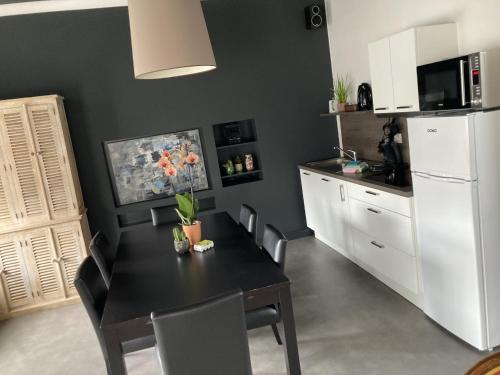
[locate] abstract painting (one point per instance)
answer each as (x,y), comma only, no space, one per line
(136,175)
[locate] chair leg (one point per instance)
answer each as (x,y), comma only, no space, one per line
(277,334)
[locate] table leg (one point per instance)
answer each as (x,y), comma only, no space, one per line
(114,362)
(288,328)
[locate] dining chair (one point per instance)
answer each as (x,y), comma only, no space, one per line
(274,243)
(206,338)
(104,255)
(93,291)
(248,220)
(163,215)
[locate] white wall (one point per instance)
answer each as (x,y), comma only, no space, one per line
(352,24)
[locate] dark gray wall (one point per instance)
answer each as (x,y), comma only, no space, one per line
(270,68)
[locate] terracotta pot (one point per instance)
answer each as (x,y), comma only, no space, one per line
(340,107)
(193,232)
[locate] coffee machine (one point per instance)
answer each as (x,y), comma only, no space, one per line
(393,168)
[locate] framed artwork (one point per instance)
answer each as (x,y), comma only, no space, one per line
(136,174)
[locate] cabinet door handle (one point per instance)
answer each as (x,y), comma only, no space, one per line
(376,244)
(342,193)
(324,179)
(374,211)
(306,174)
(381,108)
(371,192)
(404,107)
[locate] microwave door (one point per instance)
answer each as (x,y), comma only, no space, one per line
(444,85)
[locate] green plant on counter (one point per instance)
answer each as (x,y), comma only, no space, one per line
(179,235)
(341,88)
(187,209)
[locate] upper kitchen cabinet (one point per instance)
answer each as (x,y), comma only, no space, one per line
(381,73)
(394,61)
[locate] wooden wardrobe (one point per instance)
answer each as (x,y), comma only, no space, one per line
(44,233)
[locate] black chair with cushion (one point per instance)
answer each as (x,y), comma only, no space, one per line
(274,242)
(248,220)
(104,255)
(93,291)
(206,338)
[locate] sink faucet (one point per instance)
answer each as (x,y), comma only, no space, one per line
(353,157)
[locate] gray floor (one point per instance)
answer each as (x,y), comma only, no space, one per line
(347,323)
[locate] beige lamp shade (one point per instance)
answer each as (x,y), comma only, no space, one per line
(169,38)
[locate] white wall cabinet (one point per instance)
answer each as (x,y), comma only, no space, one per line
(394,61)
(379,54)
(373,228)
(43,228)
(326,207)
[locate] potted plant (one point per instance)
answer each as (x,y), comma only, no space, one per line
(238,164)
(187,204)
(187,210)
(181,242)
(341,88)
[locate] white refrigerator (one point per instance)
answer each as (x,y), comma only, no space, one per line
(456,183)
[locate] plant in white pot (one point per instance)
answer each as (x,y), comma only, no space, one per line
(341,88)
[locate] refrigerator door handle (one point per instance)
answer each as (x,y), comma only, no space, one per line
(450,180)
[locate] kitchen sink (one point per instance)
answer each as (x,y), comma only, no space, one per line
(331,165)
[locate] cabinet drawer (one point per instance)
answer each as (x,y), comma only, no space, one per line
(387,226)
(391,202)
(394,264)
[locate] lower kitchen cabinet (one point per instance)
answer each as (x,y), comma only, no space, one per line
(326,208)
(38,266)
(373,228)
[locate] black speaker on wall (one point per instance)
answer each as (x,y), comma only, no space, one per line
(315,16)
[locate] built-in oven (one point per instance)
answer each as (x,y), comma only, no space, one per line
(466,82)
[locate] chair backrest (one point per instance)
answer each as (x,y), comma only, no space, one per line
(93,291)
(163,215)
(206,338)
(248,219)
(274,242)
(103,254)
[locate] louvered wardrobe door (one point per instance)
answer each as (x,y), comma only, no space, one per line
(13,275)
(23,168)
(8,214)
(70,249)
(45,274)
(54,168)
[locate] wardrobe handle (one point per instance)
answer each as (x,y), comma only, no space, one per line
(404,107)
(371,192)
(305,173)
(324,179)
(342,193)
(374,211)
(376,244)
(381,108)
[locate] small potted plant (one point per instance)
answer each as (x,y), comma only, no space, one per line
(181,242)
(187,210)
(341,88)
(238,164)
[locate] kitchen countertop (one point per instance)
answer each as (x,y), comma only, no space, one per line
(357,178)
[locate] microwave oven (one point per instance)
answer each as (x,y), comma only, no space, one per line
(466,82)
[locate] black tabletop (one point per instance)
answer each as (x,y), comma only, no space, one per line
(149,275)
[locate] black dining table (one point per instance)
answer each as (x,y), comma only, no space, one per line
(148,275)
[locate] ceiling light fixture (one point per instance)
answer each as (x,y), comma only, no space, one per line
(169,38)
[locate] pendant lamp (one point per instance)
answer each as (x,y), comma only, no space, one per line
(169,38)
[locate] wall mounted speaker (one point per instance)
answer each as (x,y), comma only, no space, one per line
(315,16)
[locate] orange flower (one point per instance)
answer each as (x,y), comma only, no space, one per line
(166,154)
(171,171)
(192,158)
(162,163)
